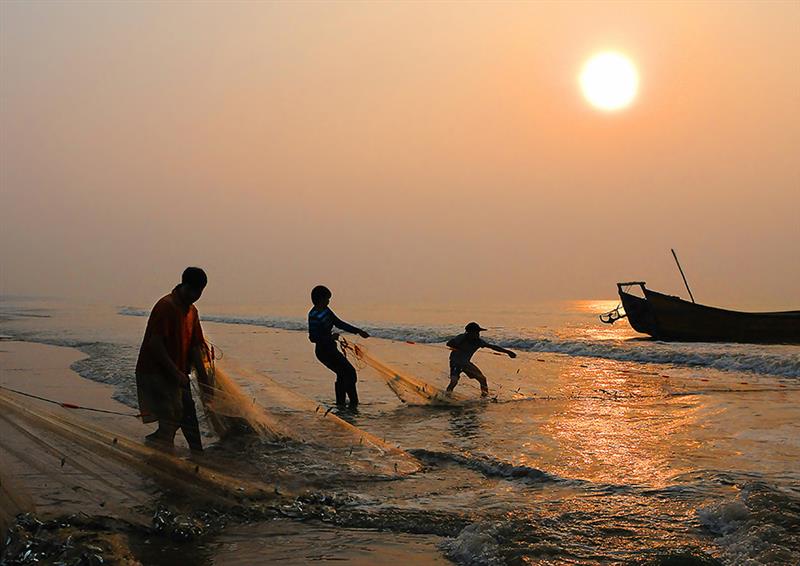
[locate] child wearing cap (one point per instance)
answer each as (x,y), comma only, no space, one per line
(463,348)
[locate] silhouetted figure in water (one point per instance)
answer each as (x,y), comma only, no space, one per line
(463,348)
(321,321)
(173,344)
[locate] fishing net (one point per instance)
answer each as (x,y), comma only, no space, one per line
(409,389)
(280,414)
(227,408)
(85,446)
(412,390)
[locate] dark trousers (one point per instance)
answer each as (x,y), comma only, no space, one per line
(346,377)
(188,424)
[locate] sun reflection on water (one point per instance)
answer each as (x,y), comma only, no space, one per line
(592,306)
(618,427)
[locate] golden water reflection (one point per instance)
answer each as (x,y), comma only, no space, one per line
(593,306)
(620,427)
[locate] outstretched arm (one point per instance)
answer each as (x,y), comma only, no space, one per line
(339,323)
(501,350)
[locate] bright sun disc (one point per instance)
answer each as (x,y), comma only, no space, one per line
(609,81)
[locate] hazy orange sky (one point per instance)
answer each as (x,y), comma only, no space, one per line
(398,151)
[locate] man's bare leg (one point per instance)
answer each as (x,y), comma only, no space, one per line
(453,383)
(164,436)
(475,373)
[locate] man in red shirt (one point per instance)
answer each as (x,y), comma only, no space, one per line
(172,345)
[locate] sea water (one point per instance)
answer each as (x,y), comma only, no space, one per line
(617,449)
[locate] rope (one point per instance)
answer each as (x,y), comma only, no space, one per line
(356,358)
(69,405)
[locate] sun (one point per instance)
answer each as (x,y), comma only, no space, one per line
(609,81)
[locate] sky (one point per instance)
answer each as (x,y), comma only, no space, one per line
(400,152)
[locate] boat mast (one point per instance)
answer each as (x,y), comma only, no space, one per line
(682,275)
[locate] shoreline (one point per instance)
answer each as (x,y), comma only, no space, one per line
(70,491)
(482,463)
(117,511)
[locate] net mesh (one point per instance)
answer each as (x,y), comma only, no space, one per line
(412,390)
(102,443)
(228,410)
(408,388)
(278,413)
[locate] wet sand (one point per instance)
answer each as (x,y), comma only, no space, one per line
(33,456)
(84,483)
(86,502)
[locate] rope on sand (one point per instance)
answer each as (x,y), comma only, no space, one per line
(69,405)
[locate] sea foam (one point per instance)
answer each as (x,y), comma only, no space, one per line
(780,361)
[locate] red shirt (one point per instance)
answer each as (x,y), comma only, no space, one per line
(179,327)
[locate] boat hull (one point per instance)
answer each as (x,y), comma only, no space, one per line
(669,318)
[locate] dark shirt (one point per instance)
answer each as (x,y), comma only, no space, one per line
(464,347)
(321,323)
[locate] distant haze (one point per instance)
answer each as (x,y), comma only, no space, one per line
(405,152)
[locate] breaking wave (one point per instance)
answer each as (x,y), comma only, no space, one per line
(105,362)
(725,357)
(779,361)
(476,544)
(760,526)
(490,467)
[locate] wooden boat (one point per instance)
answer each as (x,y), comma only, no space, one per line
(670,318)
